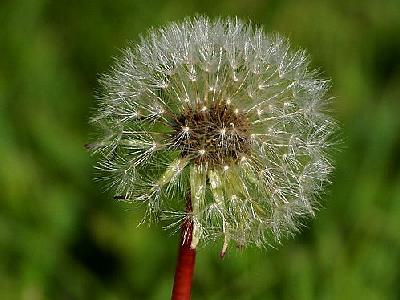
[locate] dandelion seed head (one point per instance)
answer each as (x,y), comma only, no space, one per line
(225,113)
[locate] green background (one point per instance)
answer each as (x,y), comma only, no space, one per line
(62,238)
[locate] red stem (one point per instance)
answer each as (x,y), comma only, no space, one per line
(185,262)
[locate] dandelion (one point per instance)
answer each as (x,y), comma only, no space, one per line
(217,128)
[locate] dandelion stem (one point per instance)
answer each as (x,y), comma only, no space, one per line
(186,260)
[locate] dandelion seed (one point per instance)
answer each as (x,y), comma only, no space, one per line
(222,113)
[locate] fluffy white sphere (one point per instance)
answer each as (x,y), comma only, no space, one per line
(220,114)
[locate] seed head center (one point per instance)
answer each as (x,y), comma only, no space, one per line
(216,134)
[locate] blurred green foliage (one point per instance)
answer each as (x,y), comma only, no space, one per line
(62,238)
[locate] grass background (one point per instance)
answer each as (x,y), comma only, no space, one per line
(61,238)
